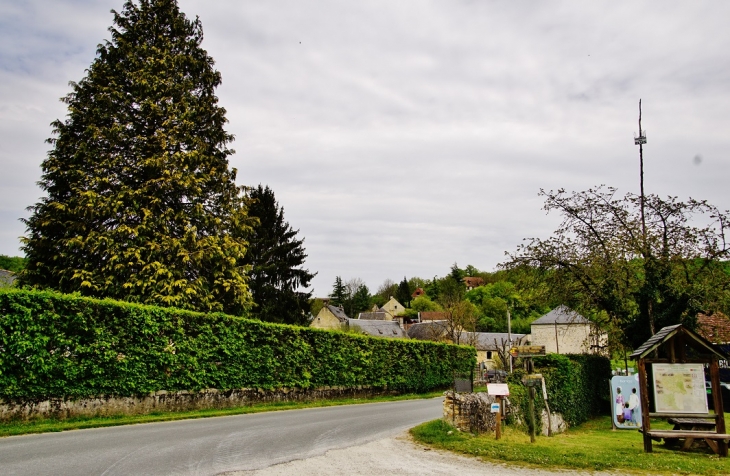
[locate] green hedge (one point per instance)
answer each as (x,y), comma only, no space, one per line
(66,346)
(577,387)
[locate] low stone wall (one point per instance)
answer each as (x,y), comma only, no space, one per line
(178,401)
(470,411)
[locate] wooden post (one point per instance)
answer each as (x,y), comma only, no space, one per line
(531,393)
(499,419)
(719,410)
(645,422)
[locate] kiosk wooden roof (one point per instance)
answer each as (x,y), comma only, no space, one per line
(679,345)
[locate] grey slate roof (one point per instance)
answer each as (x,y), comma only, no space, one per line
(435,330)
(338,312)
(373,316)
(561,315)
(488,340)
(6,277)
(374,328)
(431,330)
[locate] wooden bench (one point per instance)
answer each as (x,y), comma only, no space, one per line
(689,436)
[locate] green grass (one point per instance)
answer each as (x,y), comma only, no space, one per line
(591,446)
(47,425)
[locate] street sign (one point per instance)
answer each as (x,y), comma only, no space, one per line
(497,389)
(527,351)
(494,407)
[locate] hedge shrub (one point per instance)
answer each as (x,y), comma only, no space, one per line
(66,346)
(577,387)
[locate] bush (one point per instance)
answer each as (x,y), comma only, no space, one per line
(577,387)
(66,346)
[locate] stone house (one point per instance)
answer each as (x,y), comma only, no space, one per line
(418,292)
(564,331)
(487,344)
(329,317)
(490,344)
(393,307)
(473,282)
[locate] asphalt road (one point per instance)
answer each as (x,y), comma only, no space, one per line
(211,445)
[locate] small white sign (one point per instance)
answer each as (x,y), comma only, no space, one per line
(497,389)
(495,407)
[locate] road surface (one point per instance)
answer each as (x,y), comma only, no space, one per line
(211,445)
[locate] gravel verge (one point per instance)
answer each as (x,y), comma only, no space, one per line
(397,456)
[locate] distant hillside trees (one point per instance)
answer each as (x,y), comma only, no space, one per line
(12,263)
(140,203)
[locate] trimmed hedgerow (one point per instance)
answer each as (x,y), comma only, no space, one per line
(577,387)
(66,346)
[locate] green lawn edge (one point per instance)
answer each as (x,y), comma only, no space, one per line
(51,425)
(593,446)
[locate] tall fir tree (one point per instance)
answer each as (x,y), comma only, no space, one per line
(403,293)
(141,204)
(339,295)
(275,257)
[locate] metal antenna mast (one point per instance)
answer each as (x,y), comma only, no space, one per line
(640,141)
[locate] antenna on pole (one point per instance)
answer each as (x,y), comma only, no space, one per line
(640,141)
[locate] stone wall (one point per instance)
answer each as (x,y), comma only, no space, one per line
(178,401)
(470,411)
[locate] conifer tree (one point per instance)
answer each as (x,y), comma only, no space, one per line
(339,295)
(140,202)
(275,256)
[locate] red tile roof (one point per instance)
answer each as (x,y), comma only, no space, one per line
(432,316)
(715,327)
(418,292)
(473,282)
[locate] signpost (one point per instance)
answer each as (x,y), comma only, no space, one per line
(527,351)
(498,390)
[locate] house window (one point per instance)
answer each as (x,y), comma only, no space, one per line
(489,355)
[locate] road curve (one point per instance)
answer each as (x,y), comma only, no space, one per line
(211,445)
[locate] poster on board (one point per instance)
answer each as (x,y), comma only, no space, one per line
(680,388)
(625,403)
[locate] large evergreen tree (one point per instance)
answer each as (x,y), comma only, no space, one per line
(141,204)
(339,295)
(276,257)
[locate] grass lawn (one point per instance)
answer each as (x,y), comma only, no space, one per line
(47,425)
(591,446)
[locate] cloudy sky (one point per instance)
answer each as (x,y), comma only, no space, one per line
(401,137)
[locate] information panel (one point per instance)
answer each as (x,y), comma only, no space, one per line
(680,388)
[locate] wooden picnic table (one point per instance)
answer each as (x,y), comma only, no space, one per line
(690,429)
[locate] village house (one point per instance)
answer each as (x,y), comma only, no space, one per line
(329,317)
(393,307)
(473,282)
(418,292)
(564,331)
(488,345)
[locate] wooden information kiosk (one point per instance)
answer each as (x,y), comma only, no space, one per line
(674,361)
